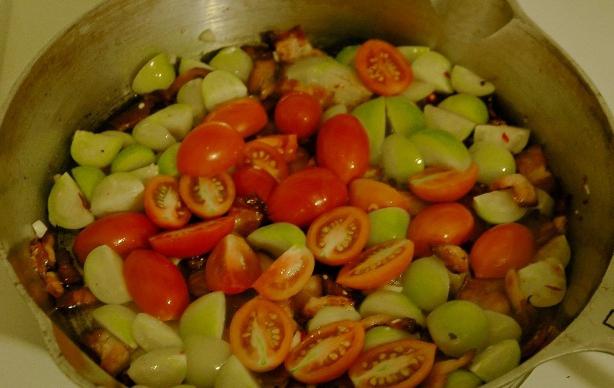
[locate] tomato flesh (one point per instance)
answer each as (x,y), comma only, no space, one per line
(246,115)
(163,205)
(232,266)
(207,197)
(382,68)
(253,181)
(436,184)
(369,195)
(298,114)
(262,156)
(287,275)
(286,145)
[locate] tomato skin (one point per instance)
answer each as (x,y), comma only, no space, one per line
(304,195)
(246,115)
(348,335)
(411,350)
(343,147)
(207,197)
(299,114)
(261,155)
(369,195)
(437,184)
(123,232)
(193,240)
(155,284)
(286,145)
(277,345)
(173,213)
(232,266)
(347,221)
(372,270)
(382,68)
(251,181)
(501,248)
(444,223)
(209,149)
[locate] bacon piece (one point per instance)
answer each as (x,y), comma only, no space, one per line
(487,293)
(293,44)
(197,284)
(523,191)
(441,369)
(454,257)
(113,354)
(80,297)
(42,254)
(170,93)
(127,117)
(316,304)
(53,284)
(262,81)
(532,164)
(67,272)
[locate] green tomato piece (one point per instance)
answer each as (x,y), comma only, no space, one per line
(412,52)
(496,360)
(233,60)
(372,116)
(276,238)
(157,74)
(433,68)
(334,111)
(205,355)
(501,327)
(380,335)
(440,148)
(403,115)
(176,118)
(117,192)
(466,81)
(126,138)
(190,94)
(93,149)
(400,158)
(132,157)
(387,224)
(347,55)
(493,160)
(186,64)
(220,86)
(426,283)
(457,327)
(233,374)
(103,274)
(159,368)
(390,303)
(205,316)
(462,378)
(468,106)
(153,135)
(556,248)
(330,314)
(543,283)
(146,173)
(151,333)
(118,320)
(498,207)
(65,205)
(512,138)
(545,203)
(168,161)
(418,90)
(438,118)
(87,178)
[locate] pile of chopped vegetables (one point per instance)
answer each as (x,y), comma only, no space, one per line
(278,216)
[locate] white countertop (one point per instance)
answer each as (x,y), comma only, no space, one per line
(584,28)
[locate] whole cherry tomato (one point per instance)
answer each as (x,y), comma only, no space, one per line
(382,68)
(299,114)
(253,181)
(245,115)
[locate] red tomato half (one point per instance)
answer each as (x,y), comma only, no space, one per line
(155,284)
(251,181)
(246,115)
(299,114)
(207,197)
(436,184)
(303,196)
(265,157)
(382,68)
(369,195)
(232,266)
(444,223)
(209,149)
(286,145)
(163,205)
(501,248)
(193,240)
(123,232)
(343,147)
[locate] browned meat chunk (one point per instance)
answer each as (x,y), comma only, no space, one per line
(113,354)
(262,80)
(53,284)
(293,44)
(81,297)
(532,164)
(523,192)
(486,293)
(454,257)
(441,369)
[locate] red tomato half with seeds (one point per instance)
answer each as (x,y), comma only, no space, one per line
(163,205)
(245,115)
(299,114)
(286,145)
(382,68)
(232,266)
(260,155)
(207,197)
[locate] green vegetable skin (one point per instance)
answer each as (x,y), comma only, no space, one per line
(276,238)
(372,116)
(387,224)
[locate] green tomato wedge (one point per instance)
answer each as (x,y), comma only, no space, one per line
(93,149)
(167,162)
(457,327)
(151,333)
(467,106)
(233,60)
(543,283)
(65,205)
(501,327)
(440,148)
(334,111)
(380,335)
(159,368)
(157,74)
(146,173)
(205,356)
(121,191)
(404,115)
(132,157)
(153,135)
(390,303)
(512,138)
(103,275)
(438,118)
(418,90)
(466,81)
(462,378)
(233,374)
(347,55)
(400,158)
(498,207)
(426,283)
(176,118)
(433,68)
(411,53)
(205,316)
(556,248)
(276,238)
(220,86)
(387,224)
(372,116)
(330,314)
(494,161)
(126,138)
(118,320)
(496,360)
(190,94)
(87,178)
(545,203)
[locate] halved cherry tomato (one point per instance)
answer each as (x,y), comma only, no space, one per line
(438,184)
(123,232)
(193,240)
(339,235)
(501,248)
(444,223)
(253,181)
(343,147)
(209,149)
(304,195)
(265,157)
(299,114)
(287,275)
(403,363)
(286,145)
(261,334)
(369,195)
(382,68)
(163,205)
(246,115)
(207,197)
(377,265)
(326,353)
(232,266)
(156,285)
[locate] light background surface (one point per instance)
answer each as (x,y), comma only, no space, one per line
(584,28)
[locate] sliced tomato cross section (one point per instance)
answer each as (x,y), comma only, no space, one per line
(207,197)
(261,155)
(163,205)
(382,67)
(232,266)
(287,275)
(286,145)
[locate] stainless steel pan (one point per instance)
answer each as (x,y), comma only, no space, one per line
(85,74)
